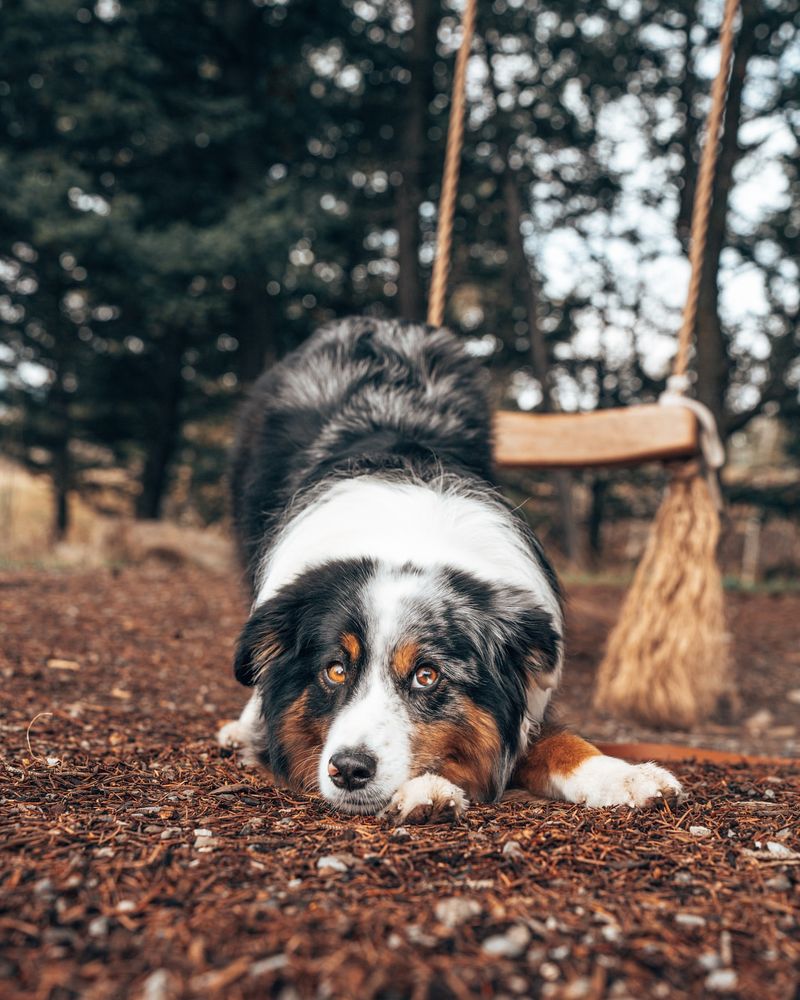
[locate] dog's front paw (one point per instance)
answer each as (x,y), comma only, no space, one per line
(430,798)
(607,781)
(232,735)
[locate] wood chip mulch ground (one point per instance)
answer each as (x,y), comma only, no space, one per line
(140,860)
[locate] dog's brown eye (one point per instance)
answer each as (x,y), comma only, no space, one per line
(425,677)
(335,674)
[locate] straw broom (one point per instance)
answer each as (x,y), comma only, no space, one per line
(666,661)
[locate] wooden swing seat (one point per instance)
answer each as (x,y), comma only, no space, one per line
(629,436)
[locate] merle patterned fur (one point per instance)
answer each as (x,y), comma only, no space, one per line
(359,396)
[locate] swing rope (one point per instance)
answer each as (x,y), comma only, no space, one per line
(452,166)
(704,193)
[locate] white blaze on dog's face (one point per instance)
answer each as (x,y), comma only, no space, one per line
(369,675)
(373,733)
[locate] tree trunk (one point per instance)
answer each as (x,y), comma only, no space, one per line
(258,331)
(61,476)
(711,357)
(597,514)
(522,267)
(408,193)
(61,464)
(240,21)
(166,426)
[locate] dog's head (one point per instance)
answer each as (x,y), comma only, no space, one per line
(370,675)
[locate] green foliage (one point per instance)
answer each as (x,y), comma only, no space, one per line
(187,188)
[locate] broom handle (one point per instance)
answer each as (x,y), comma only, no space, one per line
(452,163)
(705,187)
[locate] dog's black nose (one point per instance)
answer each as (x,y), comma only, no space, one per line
(352,769)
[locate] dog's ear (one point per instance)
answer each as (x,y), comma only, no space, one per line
(531,638)
(259,644)
(541,646)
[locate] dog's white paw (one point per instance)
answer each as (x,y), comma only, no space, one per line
(232,735)
(607,781)
(430,798)
(246,733)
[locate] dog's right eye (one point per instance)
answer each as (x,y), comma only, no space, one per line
(335,674)
(426,677)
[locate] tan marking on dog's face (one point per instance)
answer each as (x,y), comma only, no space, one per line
(302,737)
(466,752)
(404,659)
(351,646)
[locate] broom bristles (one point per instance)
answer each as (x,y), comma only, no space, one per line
(666,660)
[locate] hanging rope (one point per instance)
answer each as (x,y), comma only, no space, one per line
(710,443)
(452,164)
(705,188)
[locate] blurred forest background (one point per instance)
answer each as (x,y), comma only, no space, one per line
(189,187)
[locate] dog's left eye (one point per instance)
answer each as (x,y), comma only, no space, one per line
(425,677)
(335,674)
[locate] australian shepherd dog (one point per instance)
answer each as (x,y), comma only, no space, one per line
(406,629)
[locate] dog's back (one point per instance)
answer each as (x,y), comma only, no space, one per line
(359,396)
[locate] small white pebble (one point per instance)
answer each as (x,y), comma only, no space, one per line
(265,965)
(156,986)
(699,831)
(201,832)
(690,920)
(456,910)
(722,981)
(332,863)
(126,906)
(417,935)
(98,927)
(780,883)
(779,850)
(512,849)
(205,845)
(578,989)
(508,945)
